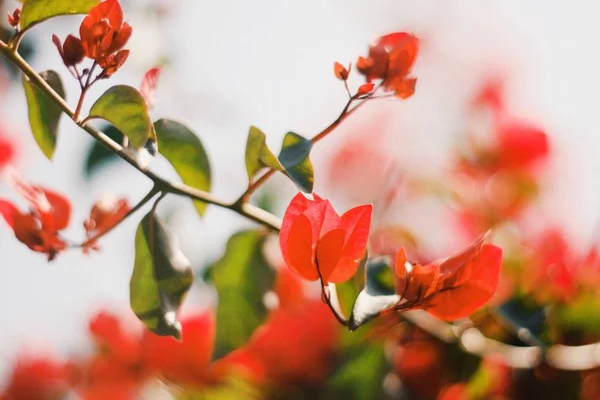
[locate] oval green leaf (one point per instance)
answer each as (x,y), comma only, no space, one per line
(125,108)
(44,114)
(258,154)
(183,149)
(36,11)
(242,277)
(294,157)
(161,278)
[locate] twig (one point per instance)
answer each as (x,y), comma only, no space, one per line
(246,210)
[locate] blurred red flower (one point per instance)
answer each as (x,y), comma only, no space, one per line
(317,242)
(105,214)
(391,60)
(39,228)
(37,378)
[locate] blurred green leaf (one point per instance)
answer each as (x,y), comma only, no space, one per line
(579,315)
(241,277)
(258,154)
(98,155)
(183,149)
(161,278)
(36,11)
(231,389)
(44,114)
(378,293)
(125,108)
(361,374)
(294,157)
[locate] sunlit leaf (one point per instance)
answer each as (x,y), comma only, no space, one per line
(44,114)
(258,154)
(294,157)
(36,11)
(377,295)
(183,149)
(161,278)
(125,108)
(98,155)
(241,277)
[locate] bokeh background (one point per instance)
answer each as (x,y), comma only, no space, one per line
(231,64)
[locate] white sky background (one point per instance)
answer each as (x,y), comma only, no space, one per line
(269,63)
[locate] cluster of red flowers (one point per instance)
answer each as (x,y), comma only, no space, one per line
(40,227)
(295,345)
(102,36)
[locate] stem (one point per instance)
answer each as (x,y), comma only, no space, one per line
(153,192)
(326,297)
(246,210)
(84,89)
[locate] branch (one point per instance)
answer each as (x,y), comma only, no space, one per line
(253,213)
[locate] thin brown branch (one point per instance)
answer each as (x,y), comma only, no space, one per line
(246,210)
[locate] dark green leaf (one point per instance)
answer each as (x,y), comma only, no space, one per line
(35,11)
(294,157)
(125,108)
(526,319)
(161,278)
(98,155)
(258,154)
(241,278)
(183,149)
(377,295)
(361,374)
(44,114)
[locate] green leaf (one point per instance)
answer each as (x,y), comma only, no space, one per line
(44,114)
(361,374)
(98,155)
(377,295)
(183,149)
(241,277)
(295,159)
(36,11)
(125,108)
(258,154)
(161,278)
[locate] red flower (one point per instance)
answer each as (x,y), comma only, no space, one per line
(14,19)
(451,288)
(103,34)
(105,214)
(317,242)
(39,228)
(391,60)
(37,378)
(186,361)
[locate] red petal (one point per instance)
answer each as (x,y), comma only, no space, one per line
(521,144)
(329,251)
(356,224)
(300,249)
(297,206)
(148,86)
(8,211)
(462,301)
(400,263)
(61,209)
(451,265)
(288,288)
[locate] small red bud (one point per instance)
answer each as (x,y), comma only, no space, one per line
(15,18)
(365,89)
(341,72)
